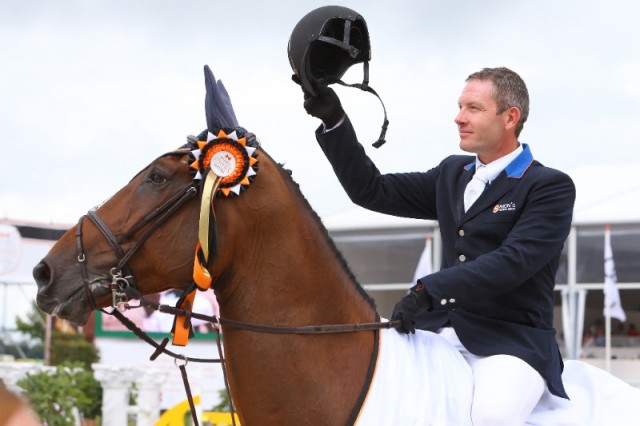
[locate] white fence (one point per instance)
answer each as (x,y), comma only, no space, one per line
(117,384)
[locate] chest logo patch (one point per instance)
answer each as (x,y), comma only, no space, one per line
(506,207)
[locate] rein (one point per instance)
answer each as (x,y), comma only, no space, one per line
(161,348)
(310,329)
(263,328)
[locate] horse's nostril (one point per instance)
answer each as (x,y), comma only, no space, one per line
(42,274)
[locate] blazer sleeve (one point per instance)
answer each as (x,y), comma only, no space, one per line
(399,194)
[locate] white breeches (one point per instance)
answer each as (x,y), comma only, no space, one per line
(506,388)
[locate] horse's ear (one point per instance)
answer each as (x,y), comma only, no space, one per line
(217,104)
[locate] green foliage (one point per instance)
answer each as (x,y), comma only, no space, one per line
(223,405)
(55,394)
(34,326)
(65,347)
(72,347)
(91,406)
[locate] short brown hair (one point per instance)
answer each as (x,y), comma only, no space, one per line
(510,91)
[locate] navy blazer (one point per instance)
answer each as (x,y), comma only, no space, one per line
(499,259)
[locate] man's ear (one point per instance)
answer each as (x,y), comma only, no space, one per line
(512,116)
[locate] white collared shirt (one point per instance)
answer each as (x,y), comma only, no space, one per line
(496,167)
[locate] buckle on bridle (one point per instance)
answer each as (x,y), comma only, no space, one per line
(119,285)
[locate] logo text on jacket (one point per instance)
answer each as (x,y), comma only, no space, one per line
(506,207)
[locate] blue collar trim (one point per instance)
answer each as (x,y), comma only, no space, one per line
(517,168)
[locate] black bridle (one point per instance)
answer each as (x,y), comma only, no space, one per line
(123,283)
(122,279)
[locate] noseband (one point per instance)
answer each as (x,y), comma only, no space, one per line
(122,279)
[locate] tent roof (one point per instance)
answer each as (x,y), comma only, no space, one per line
(358,218)
(605,194)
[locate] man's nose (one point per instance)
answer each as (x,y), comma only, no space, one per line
(459,118)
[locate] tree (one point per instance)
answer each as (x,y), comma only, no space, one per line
(55,394)
(65,346)
(224,404)
(72,347)
(34,326)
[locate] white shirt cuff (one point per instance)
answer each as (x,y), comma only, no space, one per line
(338,124)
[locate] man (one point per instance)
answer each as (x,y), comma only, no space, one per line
(493,297)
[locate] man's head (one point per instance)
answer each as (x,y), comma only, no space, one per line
(509,91)
(494,105)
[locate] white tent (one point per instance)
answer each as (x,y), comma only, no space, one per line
(606,194)
(22,246)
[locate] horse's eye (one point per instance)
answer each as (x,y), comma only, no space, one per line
(157,178)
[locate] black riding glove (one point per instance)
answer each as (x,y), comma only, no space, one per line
(325,105)
(409,306)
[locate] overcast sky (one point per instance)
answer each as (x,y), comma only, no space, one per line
(92,91)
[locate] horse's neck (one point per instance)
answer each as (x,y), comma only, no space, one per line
(285,260)
(283,270)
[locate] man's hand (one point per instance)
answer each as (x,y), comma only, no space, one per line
(325,105)
(409,306)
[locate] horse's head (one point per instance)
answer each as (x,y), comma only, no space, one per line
(130,235)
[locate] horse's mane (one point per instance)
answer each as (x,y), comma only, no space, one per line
(220,114)
(295,187)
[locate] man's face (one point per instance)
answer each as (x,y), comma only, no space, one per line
(482,131)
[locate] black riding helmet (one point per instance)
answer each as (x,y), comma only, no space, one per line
(324,44)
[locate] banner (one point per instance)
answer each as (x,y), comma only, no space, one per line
(612,304)
(425,263)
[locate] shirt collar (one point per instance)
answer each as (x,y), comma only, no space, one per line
(514,164)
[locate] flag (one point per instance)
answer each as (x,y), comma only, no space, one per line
(425,266)
(612,304)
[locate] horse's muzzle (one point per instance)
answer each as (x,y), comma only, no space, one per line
(44,279)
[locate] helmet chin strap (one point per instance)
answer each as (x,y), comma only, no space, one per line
(365,86)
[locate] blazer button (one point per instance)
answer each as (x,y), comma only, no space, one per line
(443,302)
(461,232)
(462,258)
(452,300)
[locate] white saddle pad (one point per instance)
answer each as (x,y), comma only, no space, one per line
(420,379)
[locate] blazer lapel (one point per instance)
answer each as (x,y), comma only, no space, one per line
(493,193)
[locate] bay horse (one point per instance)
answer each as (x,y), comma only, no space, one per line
(276,271)
(274,264)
